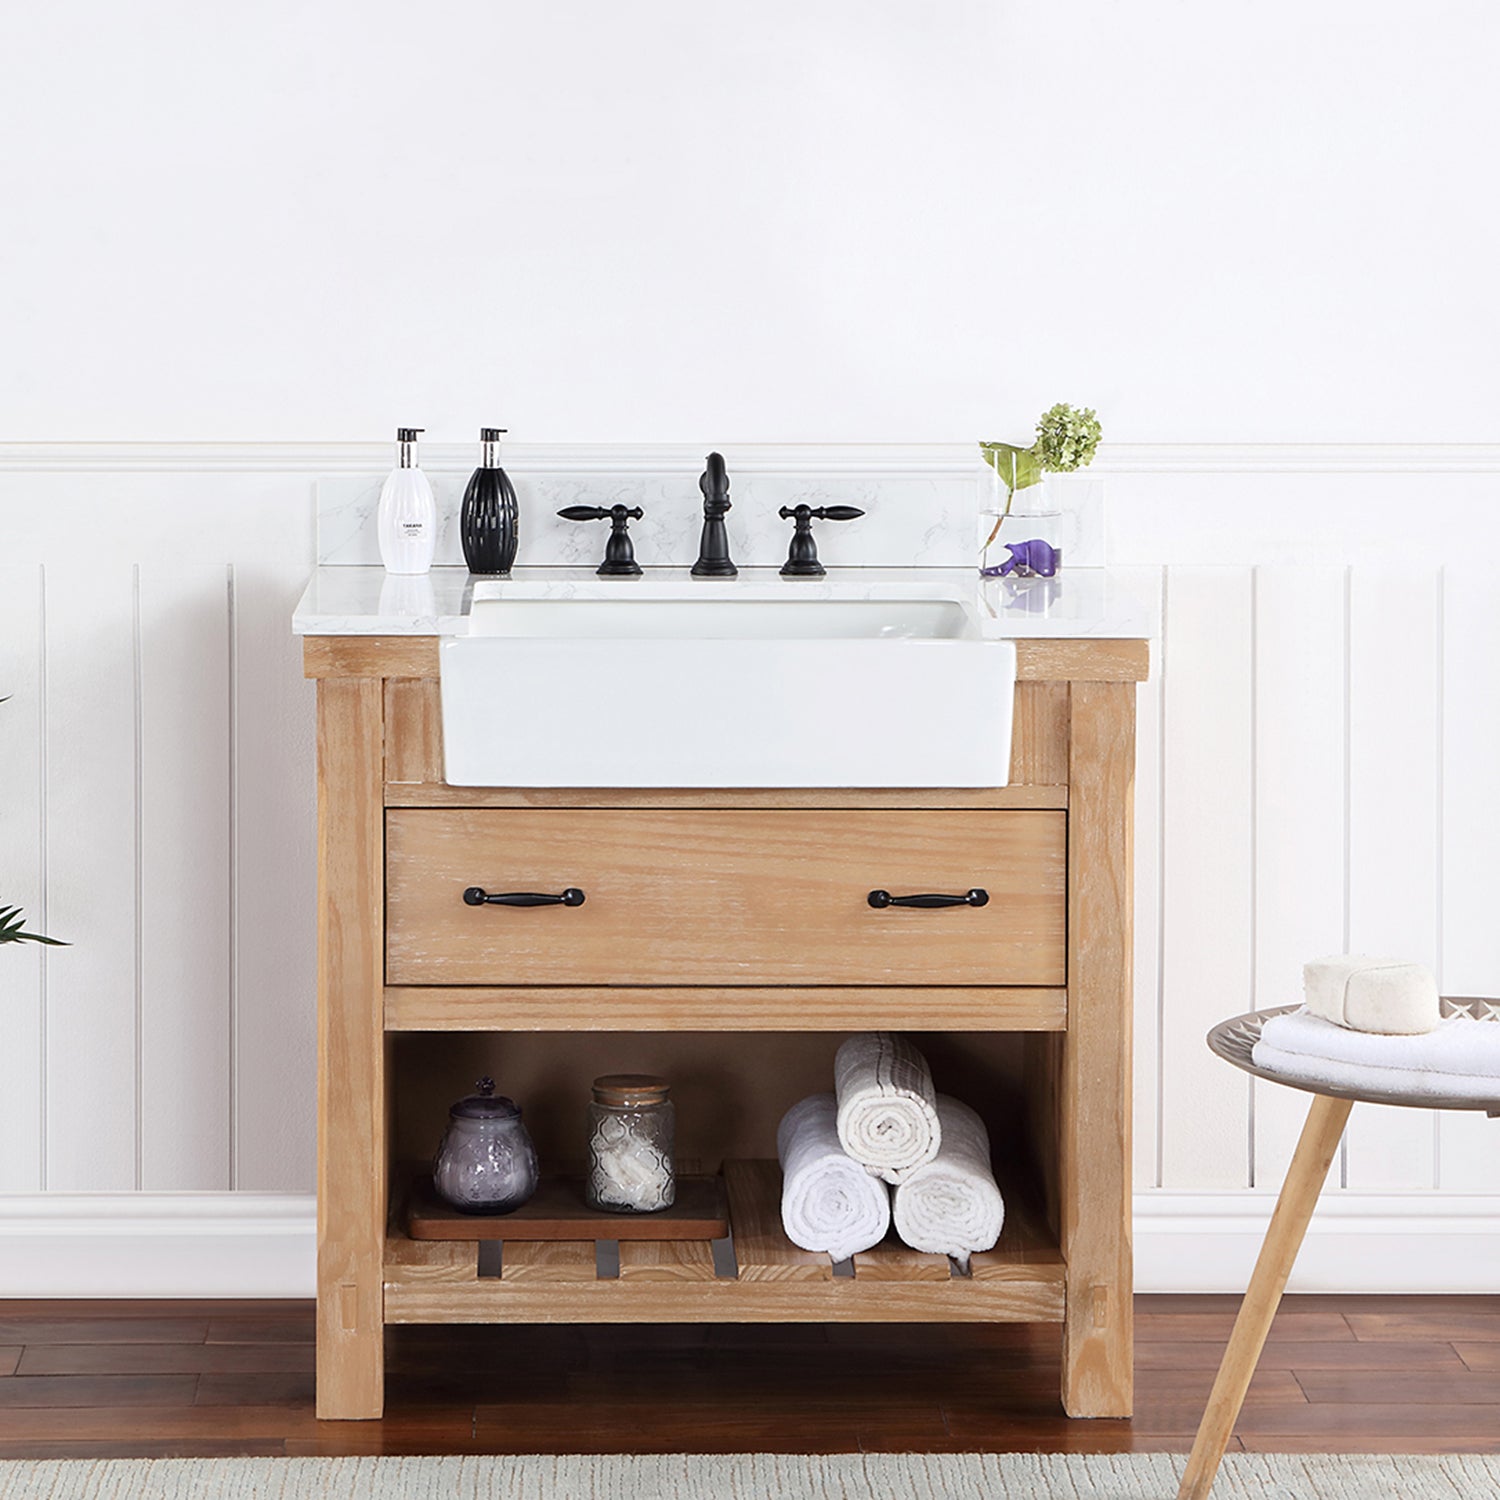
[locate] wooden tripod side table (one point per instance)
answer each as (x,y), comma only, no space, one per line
(1234,1040)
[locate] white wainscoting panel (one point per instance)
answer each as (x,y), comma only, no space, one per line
(1468,1144)
(1206,857)
(93,994)
(1301,698)
(272,995)
(161,740)
(1317,766)
(1149,584)
(1393,827)
(185,917)
(23,880)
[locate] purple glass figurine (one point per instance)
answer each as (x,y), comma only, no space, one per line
(1033,559)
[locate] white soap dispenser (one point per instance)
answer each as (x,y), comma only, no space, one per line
(407,519)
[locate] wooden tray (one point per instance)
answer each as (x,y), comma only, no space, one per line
(557,1212)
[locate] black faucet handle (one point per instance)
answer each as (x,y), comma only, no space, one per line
(600,512)
(802,555)
(820,512)
(619,550)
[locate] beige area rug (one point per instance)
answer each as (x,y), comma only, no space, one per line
(749,1476)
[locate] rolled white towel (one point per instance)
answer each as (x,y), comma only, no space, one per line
(829,1203)
(1459,1059)
(888,1119)
(1381,995)
(952,1206)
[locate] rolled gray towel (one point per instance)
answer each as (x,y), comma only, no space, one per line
(829,1203)
(887,1118)
(952,1205)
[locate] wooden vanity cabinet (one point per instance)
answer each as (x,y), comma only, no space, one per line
(714,912)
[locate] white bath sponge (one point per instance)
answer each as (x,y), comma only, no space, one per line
(1372,994)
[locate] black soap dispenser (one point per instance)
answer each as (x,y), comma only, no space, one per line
(488,521)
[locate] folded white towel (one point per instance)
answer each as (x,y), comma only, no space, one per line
(1460,1059)
(829,1203)
(952,1205)
(888,1118)
(1372,994)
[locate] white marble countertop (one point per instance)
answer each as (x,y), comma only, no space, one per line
(1079,602)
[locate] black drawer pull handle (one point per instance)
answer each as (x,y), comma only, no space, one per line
(976,897)
(478,896)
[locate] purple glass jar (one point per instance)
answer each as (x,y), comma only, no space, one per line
(486,1163)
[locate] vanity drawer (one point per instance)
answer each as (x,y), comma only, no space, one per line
(723,897)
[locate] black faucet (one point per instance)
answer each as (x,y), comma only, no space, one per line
(802,555)
(619,551)
(713,552)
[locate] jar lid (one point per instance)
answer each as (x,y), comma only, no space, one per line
(486,1104)
(631,1088)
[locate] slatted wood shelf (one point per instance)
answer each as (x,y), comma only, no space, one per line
(678,1281)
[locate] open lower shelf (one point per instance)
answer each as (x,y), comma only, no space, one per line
(758,1276)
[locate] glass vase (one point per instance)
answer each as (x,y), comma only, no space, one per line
(1020,529)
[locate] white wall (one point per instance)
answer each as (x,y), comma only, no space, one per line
(845,220)
(1225,227)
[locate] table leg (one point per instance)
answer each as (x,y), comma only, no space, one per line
(1315,1151)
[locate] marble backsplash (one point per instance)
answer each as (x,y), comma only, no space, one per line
(911,520)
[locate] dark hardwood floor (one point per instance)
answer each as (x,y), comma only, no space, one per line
(1340,1374)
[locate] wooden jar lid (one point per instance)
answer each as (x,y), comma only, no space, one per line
(624,1090)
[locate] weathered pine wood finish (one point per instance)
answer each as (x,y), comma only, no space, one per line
(723,897)
(1094,1149)
(782,1007)
(1049,660)
(762,1250)
(1062,831)
(352,1156)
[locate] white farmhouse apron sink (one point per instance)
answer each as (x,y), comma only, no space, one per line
(725,692)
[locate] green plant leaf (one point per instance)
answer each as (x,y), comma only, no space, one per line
(11,930)
(1018,467)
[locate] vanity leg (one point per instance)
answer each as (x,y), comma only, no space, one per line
(1094,1103)
(352,1193)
